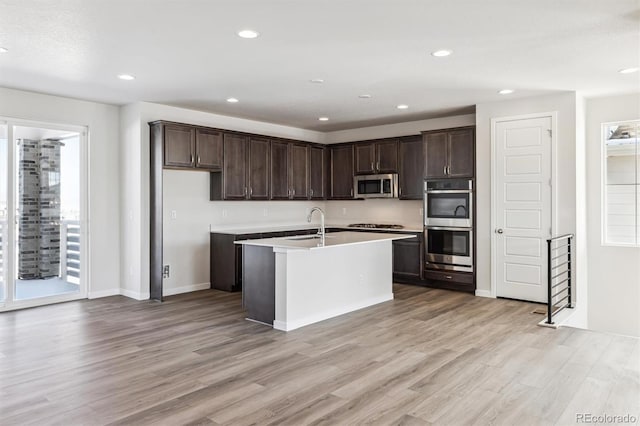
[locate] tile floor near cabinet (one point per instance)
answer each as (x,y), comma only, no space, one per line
(428,357)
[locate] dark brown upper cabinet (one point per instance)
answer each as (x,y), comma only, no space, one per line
(234,173)
(365,158)
(376,157)
(280,170)
(411,173)
(188,147)
(450,153)
(209,149)
(289,171)
(179,146)
(317,173)
(299,171)
(341,173)
(258,170)
(245,175)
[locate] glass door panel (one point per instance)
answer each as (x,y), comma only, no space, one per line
(4,186)
(48,210)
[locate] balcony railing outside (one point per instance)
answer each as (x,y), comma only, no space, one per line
(559,275)
(69,250)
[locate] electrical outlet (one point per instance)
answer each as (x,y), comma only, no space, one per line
(174,214)
(420,211)
(166,271)
(224,212)
(265,212)
(344,211)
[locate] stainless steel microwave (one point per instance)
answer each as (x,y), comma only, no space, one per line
(376,186)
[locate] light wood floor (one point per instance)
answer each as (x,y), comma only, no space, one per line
(428,357)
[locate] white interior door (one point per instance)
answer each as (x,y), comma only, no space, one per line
(522,213)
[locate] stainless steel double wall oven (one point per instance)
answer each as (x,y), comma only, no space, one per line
(448,224)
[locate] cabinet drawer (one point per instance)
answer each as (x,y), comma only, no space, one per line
(444,276)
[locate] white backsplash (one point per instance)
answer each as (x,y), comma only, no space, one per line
(403,212)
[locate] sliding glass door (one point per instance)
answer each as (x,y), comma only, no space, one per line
(42,210)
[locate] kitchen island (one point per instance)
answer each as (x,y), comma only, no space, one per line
(295,281)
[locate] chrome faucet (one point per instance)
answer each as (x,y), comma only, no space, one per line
(321,229)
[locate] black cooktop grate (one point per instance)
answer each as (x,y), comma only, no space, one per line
(375,226)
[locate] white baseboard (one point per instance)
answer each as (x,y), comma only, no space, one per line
(185,289)
(134,294)
(292,325)
(484,293)
(144,296)
(103,293)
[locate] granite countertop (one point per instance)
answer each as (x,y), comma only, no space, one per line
(309,242)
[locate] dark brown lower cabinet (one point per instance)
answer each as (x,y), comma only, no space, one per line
(461,281)
(407,259)
(226,261)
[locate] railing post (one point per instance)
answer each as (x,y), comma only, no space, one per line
(549,282)
(64,231)
(570,273)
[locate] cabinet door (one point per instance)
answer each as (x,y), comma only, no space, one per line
(258,168)
(235,170)
(461,153)
(341,172)
(436,155)
(179,146)
(406,258)
(387,156)
(208,149)
(365,158)
(411,174)
(279,171)
(299,171)
(317,173)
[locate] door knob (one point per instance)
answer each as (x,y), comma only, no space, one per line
(499,231)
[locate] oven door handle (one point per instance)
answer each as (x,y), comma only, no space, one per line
(447,191)
(447,228)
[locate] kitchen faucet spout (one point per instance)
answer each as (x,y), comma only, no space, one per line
(321,229)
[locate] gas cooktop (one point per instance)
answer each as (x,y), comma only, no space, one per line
(375,226)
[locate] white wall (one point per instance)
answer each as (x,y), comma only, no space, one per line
(614,272)
(565,105)
(102,121)
(399,129)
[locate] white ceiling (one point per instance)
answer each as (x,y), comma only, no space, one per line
(187,53)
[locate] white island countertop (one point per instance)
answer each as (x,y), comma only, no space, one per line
(333,239)
(238,230)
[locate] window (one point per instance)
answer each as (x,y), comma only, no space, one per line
(621,167)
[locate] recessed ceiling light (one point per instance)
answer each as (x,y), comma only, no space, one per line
(364,96)
(441,53)
(3,50)
(323,118)
(317,80)
(248,34)
(127,77)
(505,91)
(628,70)
(402,106)
(232,100)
